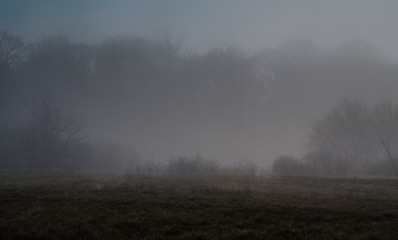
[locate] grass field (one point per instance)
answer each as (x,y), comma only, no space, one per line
(78,205)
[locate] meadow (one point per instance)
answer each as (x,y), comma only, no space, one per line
(93,205)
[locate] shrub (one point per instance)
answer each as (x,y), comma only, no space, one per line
(185,165)
(289,166)
(244,167)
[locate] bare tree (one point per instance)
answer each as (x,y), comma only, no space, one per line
(56,57)
(385,125)
(52,135)
(346,133)
(11,53)
(349,136)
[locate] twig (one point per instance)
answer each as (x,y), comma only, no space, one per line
(389,155)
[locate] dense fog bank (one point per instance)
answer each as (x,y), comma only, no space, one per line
(156,102)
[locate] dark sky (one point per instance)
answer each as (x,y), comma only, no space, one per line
(205,24)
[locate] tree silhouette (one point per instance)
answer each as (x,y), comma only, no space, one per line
(11,53)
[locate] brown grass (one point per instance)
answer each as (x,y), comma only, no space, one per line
(67,205)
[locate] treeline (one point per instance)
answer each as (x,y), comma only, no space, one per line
(127,86)
(353,138)
(155,97)
(52,139)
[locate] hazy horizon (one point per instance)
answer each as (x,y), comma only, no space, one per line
(202,25)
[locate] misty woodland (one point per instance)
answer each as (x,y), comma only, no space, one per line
(199,119)
(145,105)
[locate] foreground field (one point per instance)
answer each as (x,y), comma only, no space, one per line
(67,205)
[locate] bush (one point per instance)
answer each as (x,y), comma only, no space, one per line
(185,165)
(245,167)
(288,166)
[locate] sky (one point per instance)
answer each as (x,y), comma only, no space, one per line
(206,24)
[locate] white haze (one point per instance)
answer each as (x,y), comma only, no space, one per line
(260,28)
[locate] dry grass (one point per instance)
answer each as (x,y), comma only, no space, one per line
(67,205)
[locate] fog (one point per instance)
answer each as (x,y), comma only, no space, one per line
(227,80)
(202,25)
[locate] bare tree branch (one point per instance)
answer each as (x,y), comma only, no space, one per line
(389,155)
(11,53)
